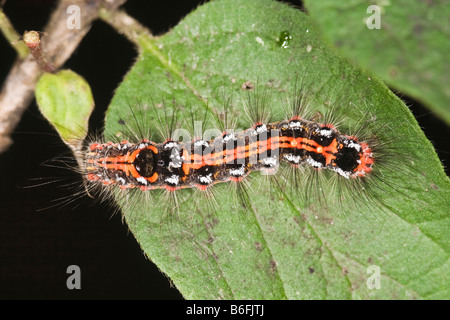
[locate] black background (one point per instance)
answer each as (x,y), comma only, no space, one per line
(36,247)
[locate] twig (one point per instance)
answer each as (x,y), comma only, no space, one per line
(12,36)
(125,25)
(59,44)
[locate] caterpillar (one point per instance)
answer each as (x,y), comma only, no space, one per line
(172,165)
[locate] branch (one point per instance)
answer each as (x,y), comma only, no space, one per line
(58,45)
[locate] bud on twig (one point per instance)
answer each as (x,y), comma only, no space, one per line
(32,40)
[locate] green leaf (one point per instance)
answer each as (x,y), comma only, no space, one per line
(281,247)
(65,99)
(409,51)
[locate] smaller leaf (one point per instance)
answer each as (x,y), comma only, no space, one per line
(65,99)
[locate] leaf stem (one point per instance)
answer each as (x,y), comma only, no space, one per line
(7,29)
(32,40)
(125,25)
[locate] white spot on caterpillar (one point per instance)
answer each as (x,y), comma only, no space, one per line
(291,158)
(294,124)
(325,133)
(142,180)
(170,145)
(261,128)
(341,172)
(314,163)
(354,145)
(173,180)
(237,172)
(229,136)
(200,143)
(206,179)
(308,48)
(271,161)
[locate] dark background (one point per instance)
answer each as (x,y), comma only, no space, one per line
(36,247)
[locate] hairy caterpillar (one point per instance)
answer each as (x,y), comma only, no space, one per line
(201,163)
